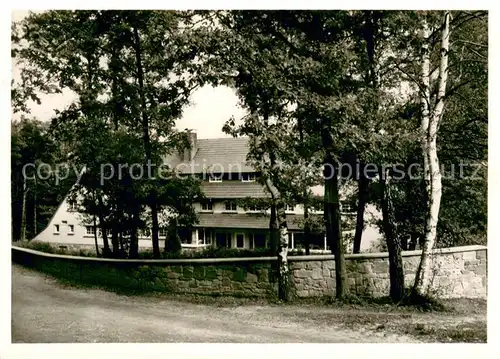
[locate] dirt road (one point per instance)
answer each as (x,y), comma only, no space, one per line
(43,311)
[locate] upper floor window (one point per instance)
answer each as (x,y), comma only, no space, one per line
(289,208)
(206,206)
(90,230)
(162,232)
(248,177)
(71,229)
(215,177)
(56,229)
(231,206)
(255,208)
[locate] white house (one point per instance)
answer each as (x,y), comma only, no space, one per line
(222,222)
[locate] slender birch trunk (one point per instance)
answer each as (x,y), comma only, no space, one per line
(422,278)
(425,101)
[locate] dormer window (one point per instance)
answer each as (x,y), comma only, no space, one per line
(248,177)
(231,206)
(215,177)
(255,208)
(206,206)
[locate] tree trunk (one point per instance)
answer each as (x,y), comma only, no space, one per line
(282,250)
(114,241)
(422,278)
(23,211)
(360,216)
(35,224)
(155,229)
(122,247)
(102,224)
(95,237)
(396,273)
(147,143)
(332,214)
(134,240)
(273,229)
(305,197)
(284,280)
(307,229)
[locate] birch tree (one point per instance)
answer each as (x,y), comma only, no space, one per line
(429,129)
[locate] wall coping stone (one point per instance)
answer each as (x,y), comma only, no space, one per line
(249,259)
(145,261)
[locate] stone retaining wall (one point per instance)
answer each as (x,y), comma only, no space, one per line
(457,272)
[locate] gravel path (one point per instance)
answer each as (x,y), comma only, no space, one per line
(43,311)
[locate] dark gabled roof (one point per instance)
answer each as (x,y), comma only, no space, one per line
(243,221)
(228,155)
(233,189)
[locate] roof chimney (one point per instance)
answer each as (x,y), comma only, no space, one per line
(190,152)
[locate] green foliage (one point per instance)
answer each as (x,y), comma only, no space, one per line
(34,146)
(96,54)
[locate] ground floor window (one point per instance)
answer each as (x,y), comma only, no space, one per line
(185,235)
(223,239)
(316,241)
(90,230)
(257,240)
(205,235)
(240,240)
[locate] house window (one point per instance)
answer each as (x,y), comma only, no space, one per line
(248,177)
(71,229)
(223,240)
(215,178)
(254,208)
(240,240)
(289,208)
(204,236)
(206,206)
(56,229)
(90,230)
(162,232)
(257,240)
(231,206)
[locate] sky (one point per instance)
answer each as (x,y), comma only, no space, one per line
(210,106)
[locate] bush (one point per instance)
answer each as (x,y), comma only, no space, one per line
(38,246)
